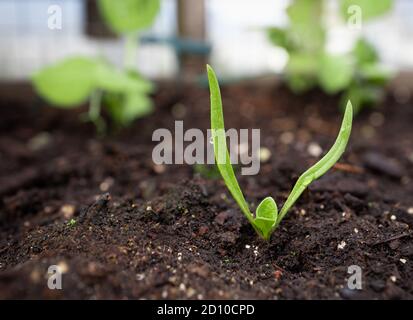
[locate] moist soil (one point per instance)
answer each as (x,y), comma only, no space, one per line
(121,227)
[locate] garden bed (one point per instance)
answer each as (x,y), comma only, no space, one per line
(146,231)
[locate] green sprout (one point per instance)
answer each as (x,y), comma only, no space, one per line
(357,75)
(71,223)
(124,93)
(267,218)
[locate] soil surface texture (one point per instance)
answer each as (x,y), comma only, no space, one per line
(121,227)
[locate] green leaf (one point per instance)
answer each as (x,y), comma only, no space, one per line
(322,166)
(266,216)
(68,83)
(126,16)
(374,74)
(302,63)
(131,100)
(279,37)
(362,96)
(300,71)
(124,108)
(307,32)
(220,145)
(369,8)
(110,79)
(335,73)
(364,52)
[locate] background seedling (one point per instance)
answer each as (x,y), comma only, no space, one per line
(124,93)
(358,74)
(267,218)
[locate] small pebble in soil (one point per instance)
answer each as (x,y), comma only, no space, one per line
(106,184)
(148,208)
(376,119)
(159,168)
(368,132)
(314,150)
(356,230)
(39,141)
(178,110)
(264,154)
(393,217)
(190,292)
(247,246)
(383,164)
(393,278)
(410,210)
(256,251)
(341,245)
(140,276)
(403,260)
(67,211)
(287,137)
(63,267)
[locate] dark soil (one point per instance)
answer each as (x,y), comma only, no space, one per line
(145,231)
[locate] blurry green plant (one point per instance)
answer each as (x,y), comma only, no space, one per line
(267,218)
(124,93)
(358,75)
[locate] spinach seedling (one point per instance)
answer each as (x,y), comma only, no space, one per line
(267,218)
(124,93)
(358,74)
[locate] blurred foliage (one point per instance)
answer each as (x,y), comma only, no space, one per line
(358,74)
(124,16)
(124,93)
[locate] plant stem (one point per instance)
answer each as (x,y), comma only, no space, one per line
(94,111)
(131,51)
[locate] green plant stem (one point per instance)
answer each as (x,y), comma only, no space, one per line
(94,111)
(130,51)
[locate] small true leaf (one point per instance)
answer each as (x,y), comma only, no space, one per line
(266,216)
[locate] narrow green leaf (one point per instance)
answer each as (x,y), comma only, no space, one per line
(322,166)
(220,145)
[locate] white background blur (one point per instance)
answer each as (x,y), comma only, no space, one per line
(235,29)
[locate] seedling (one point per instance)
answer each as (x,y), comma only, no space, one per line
(358,74)
(267,218)
(71,223)
(124,93)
